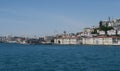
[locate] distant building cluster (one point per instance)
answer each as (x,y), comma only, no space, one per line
(112,23)
(26,40)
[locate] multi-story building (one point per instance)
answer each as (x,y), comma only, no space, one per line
(101,32)
(68,40)
(102,40)
(111,32)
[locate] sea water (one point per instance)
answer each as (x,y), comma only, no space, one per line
(17,57)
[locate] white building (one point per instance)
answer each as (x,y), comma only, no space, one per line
(102,40)
(101,32)
(111,32)
(68,40)
(88,30)
(118,32)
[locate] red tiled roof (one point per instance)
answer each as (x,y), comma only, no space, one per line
(69,37)
(107,37)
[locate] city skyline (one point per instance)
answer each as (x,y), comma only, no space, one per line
(49,17)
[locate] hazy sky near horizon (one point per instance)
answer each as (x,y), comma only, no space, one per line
(48,17)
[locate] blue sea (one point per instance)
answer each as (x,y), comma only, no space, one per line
(17,57)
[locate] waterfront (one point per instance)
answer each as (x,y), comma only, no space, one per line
(17,57)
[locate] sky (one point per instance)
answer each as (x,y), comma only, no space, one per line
(50,17)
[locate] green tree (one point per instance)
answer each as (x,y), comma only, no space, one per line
(94,31)
(104,28)
(100,24)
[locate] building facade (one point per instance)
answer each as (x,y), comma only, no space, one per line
(102,40)
(68,40)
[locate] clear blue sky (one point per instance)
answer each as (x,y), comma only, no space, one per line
(48,17)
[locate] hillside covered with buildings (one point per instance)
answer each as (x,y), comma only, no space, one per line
(106,33)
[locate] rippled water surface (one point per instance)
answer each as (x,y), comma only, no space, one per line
(16,57)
